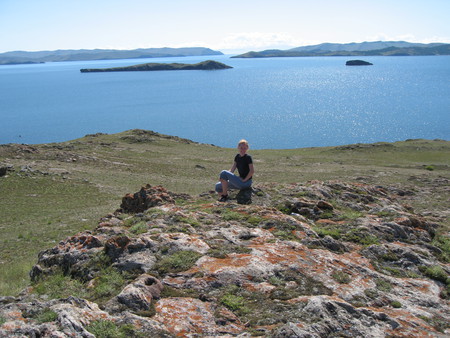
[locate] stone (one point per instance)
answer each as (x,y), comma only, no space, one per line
(146,198)
(138,295)
(244,196)
(143,261)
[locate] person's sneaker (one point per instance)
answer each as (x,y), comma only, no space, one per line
(224,198)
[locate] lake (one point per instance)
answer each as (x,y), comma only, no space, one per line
(273,103)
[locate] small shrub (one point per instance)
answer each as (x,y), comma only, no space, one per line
(371,293)
(361,237)
(46,315)
(99,261)
(443,243)
(436,272)
(108,329)
(168,292)
(276,281)
(222,251)
(58,285)
(327,214)
(333,232)
(254,220)
(285,235)
(395,272)
(108,284)
(232,302)
(396,304)
(383,285)
(284,208)
(438,322)
(349,215)
(179,261)
(389,257)
(341,277)
(429,167)
(2,320)
(189,220)
(139,228)
(232,216)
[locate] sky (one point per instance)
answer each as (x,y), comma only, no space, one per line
(230,26)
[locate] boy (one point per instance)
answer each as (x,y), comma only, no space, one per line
(228,180)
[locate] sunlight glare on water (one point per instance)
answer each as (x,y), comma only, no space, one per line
(274,103)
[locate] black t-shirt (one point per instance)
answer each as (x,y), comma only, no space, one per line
(242,164)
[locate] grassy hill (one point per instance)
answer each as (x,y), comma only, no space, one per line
(17,57)
(348,50)
(51,191)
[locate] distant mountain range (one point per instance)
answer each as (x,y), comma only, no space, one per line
(20,57)
(384,48)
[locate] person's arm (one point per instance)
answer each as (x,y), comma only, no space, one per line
(233,168)
(250,173)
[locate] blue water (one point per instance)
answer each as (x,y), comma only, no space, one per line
(274,103)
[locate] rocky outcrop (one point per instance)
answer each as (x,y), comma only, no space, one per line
(302,260)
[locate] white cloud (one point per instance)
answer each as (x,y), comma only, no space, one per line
(257,41)
(408,38)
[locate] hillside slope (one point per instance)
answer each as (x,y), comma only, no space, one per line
(350,239)
(303,260)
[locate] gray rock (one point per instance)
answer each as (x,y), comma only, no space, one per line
(139,294)
(141,260)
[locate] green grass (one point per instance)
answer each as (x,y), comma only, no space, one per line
(107,284)
(41,223)
(139,228)
(178,261)
(85,179)
(436,272)
(46,315)
(107,329)
(341,277)
(60,286)
(233,302)
(383,285)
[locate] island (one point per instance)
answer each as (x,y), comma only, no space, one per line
(358,63)
(205,65)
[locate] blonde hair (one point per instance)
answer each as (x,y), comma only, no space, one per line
(243,141)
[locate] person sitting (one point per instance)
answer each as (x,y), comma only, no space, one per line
(243,162)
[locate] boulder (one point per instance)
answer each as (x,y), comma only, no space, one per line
(145,198)
(138,295)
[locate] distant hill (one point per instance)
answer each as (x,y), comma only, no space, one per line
(18,57)
(205,65)
(380,48)
(362,46)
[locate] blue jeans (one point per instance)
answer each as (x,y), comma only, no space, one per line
(234,181)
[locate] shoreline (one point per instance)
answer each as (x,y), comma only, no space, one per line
(197,142)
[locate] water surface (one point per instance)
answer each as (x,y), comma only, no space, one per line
(274,102)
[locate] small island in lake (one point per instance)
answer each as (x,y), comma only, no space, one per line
(358,63)
(205,65)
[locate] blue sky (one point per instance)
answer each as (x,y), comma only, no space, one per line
(229,26)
